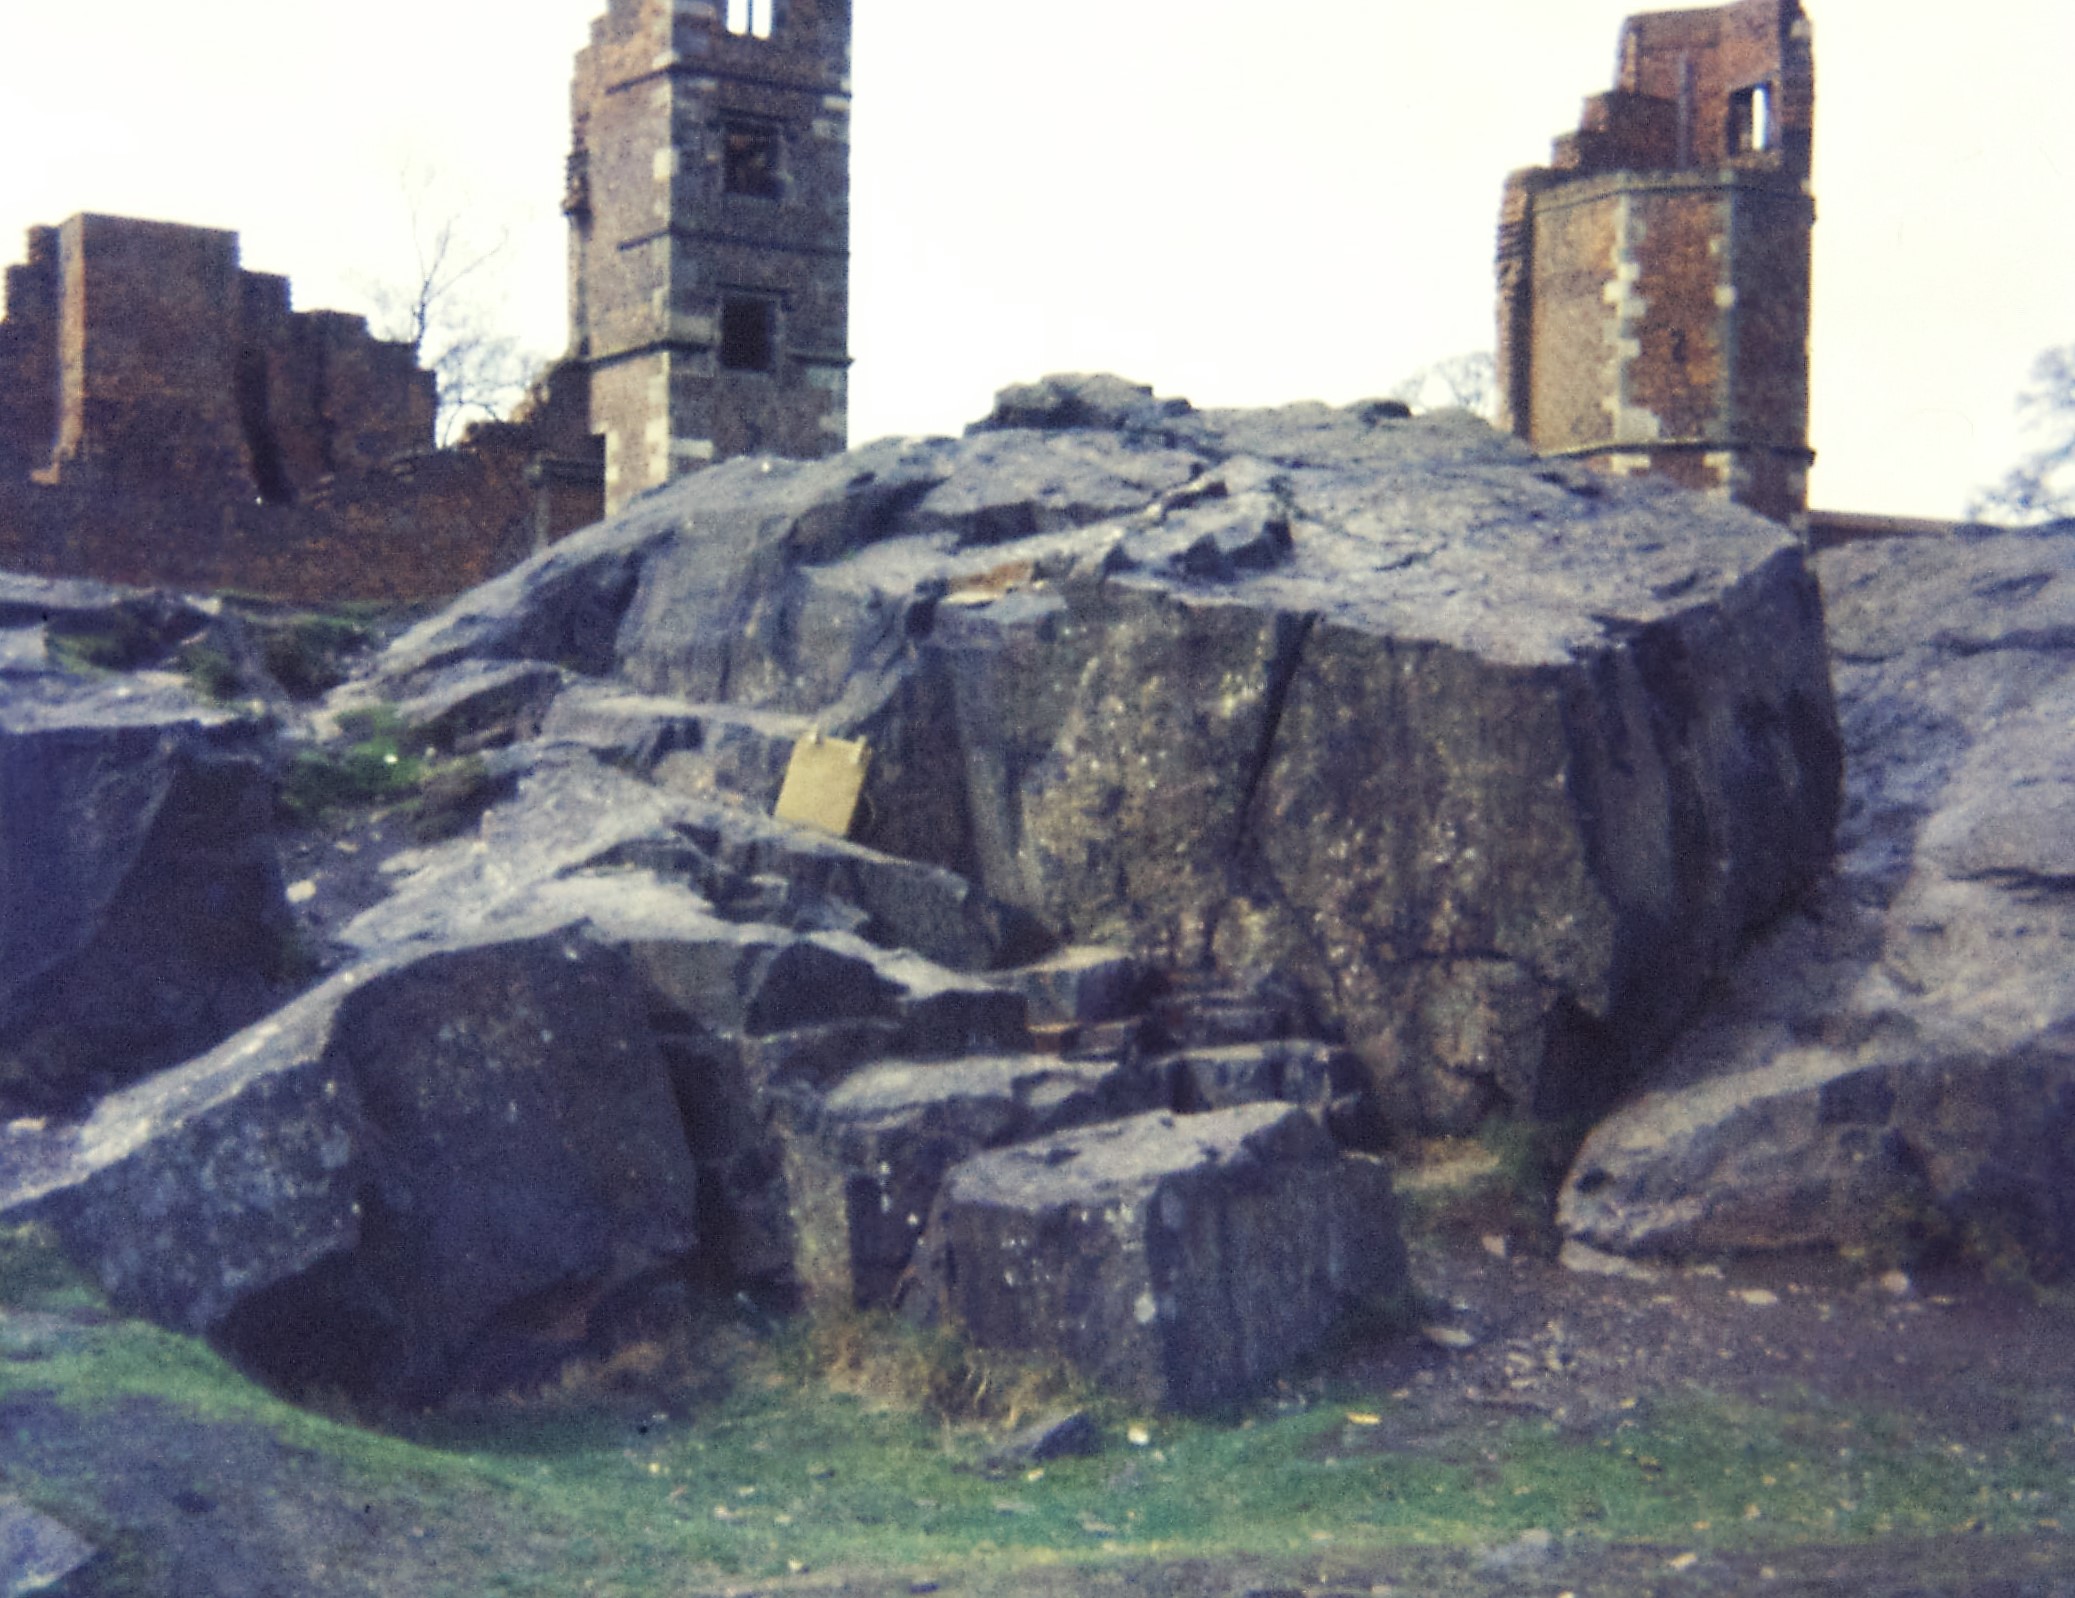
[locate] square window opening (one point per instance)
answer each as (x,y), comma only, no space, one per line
(749,161)
(751,18)
(748,333)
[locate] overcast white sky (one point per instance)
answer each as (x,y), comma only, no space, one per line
(1237,201)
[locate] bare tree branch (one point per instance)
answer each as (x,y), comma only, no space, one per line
(445,315)
(1468,382)
(2041,486)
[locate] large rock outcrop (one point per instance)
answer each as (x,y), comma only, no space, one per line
(1895,1065)
(1500,760)
(1266,780)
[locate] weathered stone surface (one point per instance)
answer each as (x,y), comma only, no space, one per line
(478,704)
(1321,1076)
(754,1021)
(1500,760)
(864,1167)
(564,606)
(1896,1062)
(36,1552)
(142,915)
(707,751)
(432,1170)
(1079,399)
(1183,1260)
(1083,983)
(114,627)
(571,813)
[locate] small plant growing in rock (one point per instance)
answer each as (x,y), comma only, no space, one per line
(213,673)
(120,645)
(373,769)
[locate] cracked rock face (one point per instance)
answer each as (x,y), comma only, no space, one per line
(1500,760)
(1895,1065)
(142,915)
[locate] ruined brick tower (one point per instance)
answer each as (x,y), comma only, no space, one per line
(709,208)
(1654,278)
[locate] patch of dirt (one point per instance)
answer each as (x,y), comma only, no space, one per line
(334,869)
(1970,1361)
(198,1509)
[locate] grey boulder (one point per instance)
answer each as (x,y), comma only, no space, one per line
(1894,1065)
(434,1171)
(1500,760)
(864,1168)
(1180,1260)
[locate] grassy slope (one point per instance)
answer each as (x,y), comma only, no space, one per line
(766,1468)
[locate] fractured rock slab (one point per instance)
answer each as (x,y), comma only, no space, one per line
(1182,1260)
(865,1166)
(423,1173)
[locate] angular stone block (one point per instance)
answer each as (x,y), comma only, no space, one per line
(1894,1063)
(1180,1260)
(865,1169)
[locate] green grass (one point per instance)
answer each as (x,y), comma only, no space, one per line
(372,769)
(212,672)
(768,1466)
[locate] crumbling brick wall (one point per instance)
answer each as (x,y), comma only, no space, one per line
(164,366)
(1654,278)
(168,418)
(29,359)
(708,197)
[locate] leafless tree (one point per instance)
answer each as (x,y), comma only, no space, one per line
(1470,382)
(2041,486)
(447,316)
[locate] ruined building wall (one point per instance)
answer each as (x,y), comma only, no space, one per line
(29,359)
(708,197)
(168,418)
(142,356)
(148,344)
(1654,278)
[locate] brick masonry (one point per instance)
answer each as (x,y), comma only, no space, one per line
(709,205)
(1654,278)
(167,418)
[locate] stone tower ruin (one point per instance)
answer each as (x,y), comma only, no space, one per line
(709,208)
(1654,277)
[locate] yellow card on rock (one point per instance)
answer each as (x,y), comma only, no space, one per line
(824,782)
